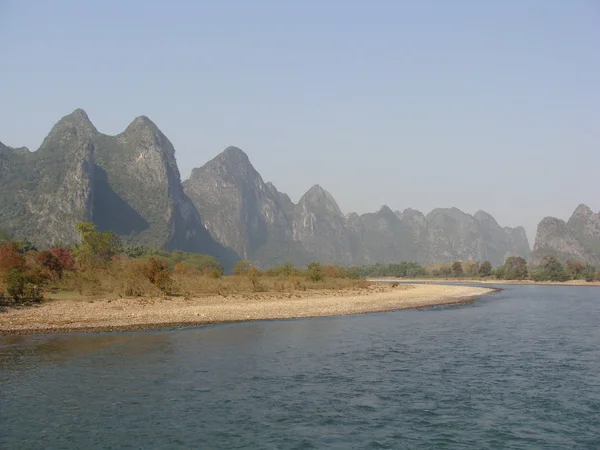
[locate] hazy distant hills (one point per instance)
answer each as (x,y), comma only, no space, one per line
(577,239)
(130,184)
(260,223)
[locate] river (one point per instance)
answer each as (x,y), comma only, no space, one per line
(518,369)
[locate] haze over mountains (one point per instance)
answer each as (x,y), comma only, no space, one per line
(130,184)
(577,239)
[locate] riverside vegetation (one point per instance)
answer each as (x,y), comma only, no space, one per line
(100,266)
(514,268)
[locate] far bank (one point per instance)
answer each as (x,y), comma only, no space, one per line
(481,281)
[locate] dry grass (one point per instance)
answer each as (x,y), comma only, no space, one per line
(190,286)
(125,279)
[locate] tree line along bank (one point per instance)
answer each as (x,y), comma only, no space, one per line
(99,265)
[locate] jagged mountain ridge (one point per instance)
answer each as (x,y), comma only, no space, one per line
(578,238)
(262,224)
(128,183)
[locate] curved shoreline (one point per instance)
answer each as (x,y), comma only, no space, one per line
(484,281)
(104,315)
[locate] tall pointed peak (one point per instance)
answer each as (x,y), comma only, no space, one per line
(79,114)
(142,123)
(318,199)
(317,194)
(386,212)
(583,210)
(231,164)
(143,132)
(232,156)
(484,217)
(77,123)
(233,151)
(317,189)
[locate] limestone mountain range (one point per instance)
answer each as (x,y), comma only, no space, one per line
(130,184)
(577,239)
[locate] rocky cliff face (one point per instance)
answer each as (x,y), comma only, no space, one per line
(129,184)
(139,192)
(283,201)
(237,207)
(263,224)
(417,224)
(45,192)
(319,226)
(260,223)
(498,243)
(386,238)
(577,239)
(453,235)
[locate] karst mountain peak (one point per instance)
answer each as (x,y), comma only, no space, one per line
(130,184)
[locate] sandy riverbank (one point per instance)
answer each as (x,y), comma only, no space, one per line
(76,315)
(484,281)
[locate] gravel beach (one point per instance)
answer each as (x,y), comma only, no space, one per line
(100,314)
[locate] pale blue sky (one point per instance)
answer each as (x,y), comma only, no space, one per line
(490,105)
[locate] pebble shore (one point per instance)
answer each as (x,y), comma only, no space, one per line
(97,315)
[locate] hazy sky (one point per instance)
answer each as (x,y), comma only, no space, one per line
(490,105)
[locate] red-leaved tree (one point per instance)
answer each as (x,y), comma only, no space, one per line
(11,258)
(67,261)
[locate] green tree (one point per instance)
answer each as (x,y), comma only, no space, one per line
(15,283)
(499,272)
(315,271)
(27,246)
(286,269)
(445,270)
(574,269)
(352,274)
(96,248)
(588,273)
(457,269)
(471,268)
(242,268)
(552,269)
(485,269)
(416,272)
(515,268)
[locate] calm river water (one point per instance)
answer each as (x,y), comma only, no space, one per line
(518,369)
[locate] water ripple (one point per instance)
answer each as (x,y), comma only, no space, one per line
(517,370)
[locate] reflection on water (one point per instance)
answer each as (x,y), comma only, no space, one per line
(60,349)
(519,369)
